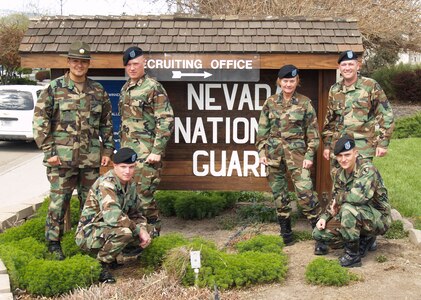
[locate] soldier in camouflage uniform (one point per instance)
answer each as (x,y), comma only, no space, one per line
(359,209)
(358,106)
(147,121)
(70,117)
(111,218)
(287,140)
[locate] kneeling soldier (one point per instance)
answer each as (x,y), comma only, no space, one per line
(359,210)
(111,219)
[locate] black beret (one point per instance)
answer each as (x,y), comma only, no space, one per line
(345,143)
(287,71)
(125,156)
(131,53)
(347,55)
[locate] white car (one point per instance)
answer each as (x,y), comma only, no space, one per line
(17,103)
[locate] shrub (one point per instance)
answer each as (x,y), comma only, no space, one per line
(408,127)
(261,243)
(184,204)
(231,198)
(396,231)
(17,254)
(251,196)
(32,228)
(24,252)
(165,201)
(407,86)
(384,77)
(153,255)
(199,206)
(42,75)
(257,213)
(68,244)
(50,278)
(322,271)
(260,260)
(36,227)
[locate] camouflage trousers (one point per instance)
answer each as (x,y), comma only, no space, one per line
(350,223)
(278,182)
(148,177)
(62,183)
(107,242)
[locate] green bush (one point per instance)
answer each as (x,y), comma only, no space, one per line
(68,244)
(408,127)
(260,213)
(153,255)
(32,228)
(322,271)
(199,206)
(247,196)
(385,76)
(260,260)
(165,201)
(261,243)
(231,198)
(17,254)
(50,278)
(396,231)
(407,85)
(24,252)
(194,205)
(36,227)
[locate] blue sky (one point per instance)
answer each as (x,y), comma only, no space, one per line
(84,7)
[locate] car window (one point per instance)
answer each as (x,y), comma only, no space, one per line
(16,100)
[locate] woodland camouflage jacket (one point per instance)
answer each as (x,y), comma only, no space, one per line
(294,124)
(69,124)
(361,110)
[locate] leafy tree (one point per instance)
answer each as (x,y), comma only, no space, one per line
(12,29)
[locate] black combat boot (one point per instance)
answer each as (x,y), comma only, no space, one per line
(352,257)
(54,248)
(105,276)
(366,244)
(320,248)
(286,231)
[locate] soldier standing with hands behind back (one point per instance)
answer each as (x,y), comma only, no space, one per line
(70,117)
(147,121)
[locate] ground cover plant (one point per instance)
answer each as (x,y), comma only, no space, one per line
(322,271)
(257,260)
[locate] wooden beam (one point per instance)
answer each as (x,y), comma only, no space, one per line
(263,61)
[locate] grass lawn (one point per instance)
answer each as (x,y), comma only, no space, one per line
(401,172)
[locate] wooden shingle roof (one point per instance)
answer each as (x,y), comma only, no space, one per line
(192,34)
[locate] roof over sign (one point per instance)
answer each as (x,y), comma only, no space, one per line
(192,34)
